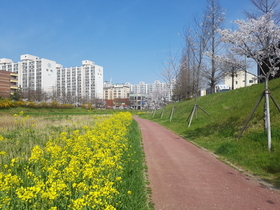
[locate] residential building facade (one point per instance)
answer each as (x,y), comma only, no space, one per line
(84,82)
(240,79)
(116,96)
(8,83)
(36,73)
(115,91)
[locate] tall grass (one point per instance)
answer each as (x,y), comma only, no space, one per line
(22,132)
(60,111)
(218,132)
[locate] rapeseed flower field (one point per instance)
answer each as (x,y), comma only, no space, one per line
(94,167)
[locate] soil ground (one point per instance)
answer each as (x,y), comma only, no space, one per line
(183,176)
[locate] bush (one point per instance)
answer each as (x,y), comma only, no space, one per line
(67,106)
(87,106)
(5,103)
(54,104)
(31,104)
(20,103)
(43,105)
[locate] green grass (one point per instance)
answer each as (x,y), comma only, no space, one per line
(219,131)
(133,177)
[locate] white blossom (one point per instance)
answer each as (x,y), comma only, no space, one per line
(257,39)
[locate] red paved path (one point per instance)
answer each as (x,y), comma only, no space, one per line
(182,176)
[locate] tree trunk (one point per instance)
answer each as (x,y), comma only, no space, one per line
(267,115)
(232,81)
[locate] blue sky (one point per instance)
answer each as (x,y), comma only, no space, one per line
(129,38)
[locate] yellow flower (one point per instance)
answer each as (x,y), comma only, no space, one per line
(110,207)
(118,178)
(36,153)
(3,153)
(82,167)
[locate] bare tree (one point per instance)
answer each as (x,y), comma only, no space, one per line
(54,94)
(35,95)
(183,81)
(196,43)
(262,7)
(192,64)
(215,16)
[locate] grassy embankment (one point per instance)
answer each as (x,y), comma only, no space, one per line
(218,132)
(34,176)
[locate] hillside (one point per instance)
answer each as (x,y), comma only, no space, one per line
(218,132)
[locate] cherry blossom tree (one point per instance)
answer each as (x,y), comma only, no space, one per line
(156,99)
(258,39)
(170,72)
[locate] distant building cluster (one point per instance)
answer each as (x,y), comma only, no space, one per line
(74,85)
(36,73)
(84,84)
(138,94)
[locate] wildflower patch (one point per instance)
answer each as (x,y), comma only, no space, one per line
(81,169)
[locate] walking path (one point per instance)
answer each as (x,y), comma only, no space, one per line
(183,176)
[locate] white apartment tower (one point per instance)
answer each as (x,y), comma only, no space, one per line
(33,73)
(36,73)
(85,81)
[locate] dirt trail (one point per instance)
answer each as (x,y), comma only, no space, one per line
(182,176)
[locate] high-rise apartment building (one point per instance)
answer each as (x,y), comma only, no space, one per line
(36,73)
(85,81)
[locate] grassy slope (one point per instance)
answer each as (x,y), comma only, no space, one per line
(217,132)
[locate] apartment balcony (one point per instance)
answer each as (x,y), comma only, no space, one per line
(15,81)
(14,87)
